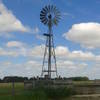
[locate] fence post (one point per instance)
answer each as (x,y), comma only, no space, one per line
(13,88)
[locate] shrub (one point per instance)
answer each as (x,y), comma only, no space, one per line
(54,93)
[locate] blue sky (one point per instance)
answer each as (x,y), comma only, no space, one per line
(72,12)
(77,37)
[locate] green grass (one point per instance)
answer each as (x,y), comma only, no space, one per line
(34,94)
(83,82)
(6,88)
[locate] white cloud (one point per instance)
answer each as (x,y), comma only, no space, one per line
(69,63)
(36,51)
(66,64)
(71,69)
(64,53)
(61,51)
(36,30)
(9,22)
(12,53)
(66,61)
(80,55)
(14,44)
(28,68)
(17,48)
(32,68)
(86,34)
(13,49)
(67,14)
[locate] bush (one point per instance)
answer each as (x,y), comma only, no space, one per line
(53,93)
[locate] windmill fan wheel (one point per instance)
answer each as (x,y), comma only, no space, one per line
(48,13)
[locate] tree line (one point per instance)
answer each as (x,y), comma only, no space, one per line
(22,79)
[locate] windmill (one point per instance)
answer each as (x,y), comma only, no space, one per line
(49,16)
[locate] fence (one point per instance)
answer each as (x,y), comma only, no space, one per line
(11,88)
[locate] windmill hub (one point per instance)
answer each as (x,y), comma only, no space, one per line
(50,16)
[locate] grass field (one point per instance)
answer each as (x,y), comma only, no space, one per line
(34,94)
(20,93)
(6,92)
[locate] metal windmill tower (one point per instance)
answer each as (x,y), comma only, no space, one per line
(49,16)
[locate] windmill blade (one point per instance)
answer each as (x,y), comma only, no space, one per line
(52,8)
(46,8)
(49,8)
(42,18)
(46,21)
(42,12)
(57,12)
(58,17)
(42,15)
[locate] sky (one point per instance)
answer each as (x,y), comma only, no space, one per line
(76,38)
